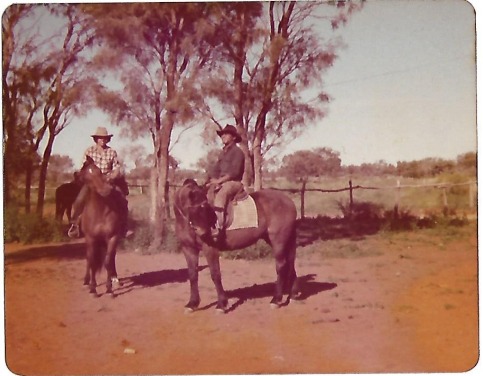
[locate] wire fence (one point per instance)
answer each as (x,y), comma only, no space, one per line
(320,201)
(398,189)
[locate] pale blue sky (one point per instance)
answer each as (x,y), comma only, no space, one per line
(404,88)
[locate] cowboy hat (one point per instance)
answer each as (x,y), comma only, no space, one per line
(101,132)
(230,129)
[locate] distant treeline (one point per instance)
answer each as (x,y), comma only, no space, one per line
(428,167)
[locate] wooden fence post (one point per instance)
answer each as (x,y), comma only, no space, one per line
(398,197)
(351,198)
(302,200)
(445,202)
(471,193)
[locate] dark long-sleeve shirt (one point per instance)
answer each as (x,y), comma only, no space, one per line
(231,162)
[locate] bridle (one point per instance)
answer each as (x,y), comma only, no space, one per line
(88,176)
(186,217)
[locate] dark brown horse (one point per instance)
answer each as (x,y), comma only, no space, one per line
(276,225)
(65,195)
(101,225)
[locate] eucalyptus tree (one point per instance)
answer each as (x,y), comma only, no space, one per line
(48,81)
(272,82)
(71,84)
(304,164)
(157,52)
(14,133)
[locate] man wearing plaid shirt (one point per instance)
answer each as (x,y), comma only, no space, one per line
(106,159)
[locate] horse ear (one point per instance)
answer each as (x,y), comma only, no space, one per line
(89,160)
(190,182)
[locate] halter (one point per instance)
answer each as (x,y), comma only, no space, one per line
(185,217)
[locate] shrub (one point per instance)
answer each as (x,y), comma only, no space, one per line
(30,228)
(259,250)
(144,236)
(361,211)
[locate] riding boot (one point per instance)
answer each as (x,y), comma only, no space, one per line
(78,207)
(218,232)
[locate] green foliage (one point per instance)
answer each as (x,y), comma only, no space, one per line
(259,250)
(143,238)
(30,228)
(370,215)
(304,164)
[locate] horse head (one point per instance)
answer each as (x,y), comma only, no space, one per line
(91,175)
(193,207)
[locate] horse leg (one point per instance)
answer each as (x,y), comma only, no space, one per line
(115,279)
(213,259)
(87,276)
(281,266)
(110,263)
(91,268)
(283,245)
(292,281)
(192,261)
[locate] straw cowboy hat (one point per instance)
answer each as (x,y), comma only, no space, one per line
(101,132)
(230,129)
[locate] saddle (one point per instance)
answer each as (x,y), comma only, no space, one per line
(241,212)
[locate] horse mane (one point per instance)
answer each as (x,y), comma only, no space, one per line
(97,184)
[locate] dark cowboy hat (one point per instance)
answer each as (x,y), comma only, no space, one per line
(230,129)
(101,132)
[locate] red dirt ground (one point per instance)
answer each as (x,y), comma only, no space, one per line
(411,309)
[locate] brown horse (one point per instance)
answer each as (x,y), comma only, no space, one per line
(276,225)
(65,195)
(101,225)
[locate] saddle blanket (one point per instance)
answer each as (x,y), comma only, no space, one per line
(244,214)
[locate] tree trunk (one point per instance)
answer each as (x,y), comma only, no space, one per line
(275,32)
(257,159)
(239,61)
(153,183)
(162,152)
(28,186)
(43,174)
(159,225)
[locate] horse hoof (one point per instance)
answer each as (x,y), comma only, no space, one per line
(274,305)
(116,281)
(220,311)
(188,310)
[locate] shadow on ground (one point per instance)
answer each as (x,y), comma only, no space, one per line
(308,287)
(64,251)
(309,230)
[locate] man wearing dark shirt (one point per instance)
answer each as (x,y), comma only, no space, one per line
(225,178)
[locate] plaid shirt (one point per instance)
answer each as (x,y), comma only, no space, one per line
(105,159)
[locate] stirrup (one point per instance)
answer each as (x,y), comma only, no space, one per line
(73,231)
